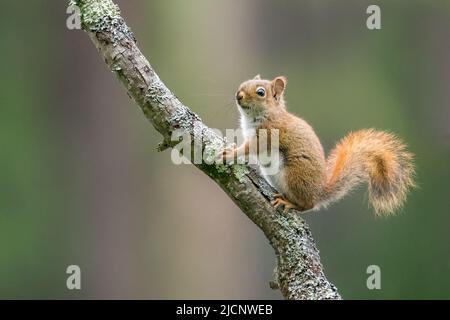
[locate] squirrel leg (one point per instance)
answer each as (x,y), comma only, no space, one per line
(280,200)
(278,195)
(230,154)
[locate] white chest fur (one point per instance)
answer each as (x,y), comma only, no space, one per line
(249,123)
(271,167)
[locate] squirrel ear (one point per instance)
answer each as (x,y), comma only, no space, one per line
(257,77)
(278,86)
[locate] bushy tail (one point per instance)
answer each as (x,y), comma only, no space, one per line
(376,157)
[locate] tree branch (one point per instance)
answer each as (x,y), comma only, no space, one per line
(299,273)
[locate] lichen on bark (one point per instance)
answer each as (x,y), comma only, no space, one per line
(97,14)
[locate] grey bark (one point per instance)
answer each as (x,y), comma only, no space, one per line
(299,273)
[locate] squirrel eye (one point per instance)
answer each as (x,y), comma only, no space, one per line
(261,92)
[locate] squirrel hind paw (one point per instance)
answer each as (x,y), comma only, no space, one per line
(280,201)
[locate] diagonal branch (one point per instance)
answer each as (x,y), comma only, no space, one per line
(299,273)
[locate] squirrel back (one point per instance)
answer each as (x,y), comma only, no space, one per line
(309,181)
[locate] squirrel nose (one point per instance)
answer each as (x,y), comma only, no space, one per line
(239,96)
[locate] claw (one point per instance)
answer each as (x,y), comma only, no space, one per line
(280,201)
(225,154)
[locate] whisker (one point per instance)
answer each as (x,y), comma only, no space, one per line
(210,95)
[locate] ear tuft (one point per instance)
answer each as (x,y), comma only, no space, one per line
(257,77)
(278,85)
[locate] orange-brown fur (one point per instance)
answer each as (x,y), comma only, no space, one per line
(308,180)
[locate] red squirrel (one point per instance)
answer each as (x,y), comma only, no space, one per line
(306,179)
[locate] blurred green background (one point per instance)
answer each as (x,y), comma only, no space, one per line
(81,182)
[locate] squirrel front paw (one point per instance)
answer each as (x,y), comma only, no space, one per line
(227,154)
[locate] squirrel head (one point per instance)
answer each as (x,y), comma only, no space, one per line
(259,95)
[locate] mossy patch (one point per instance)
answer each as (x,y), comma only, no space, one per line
(103,16)
(240,171)
(94,12)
